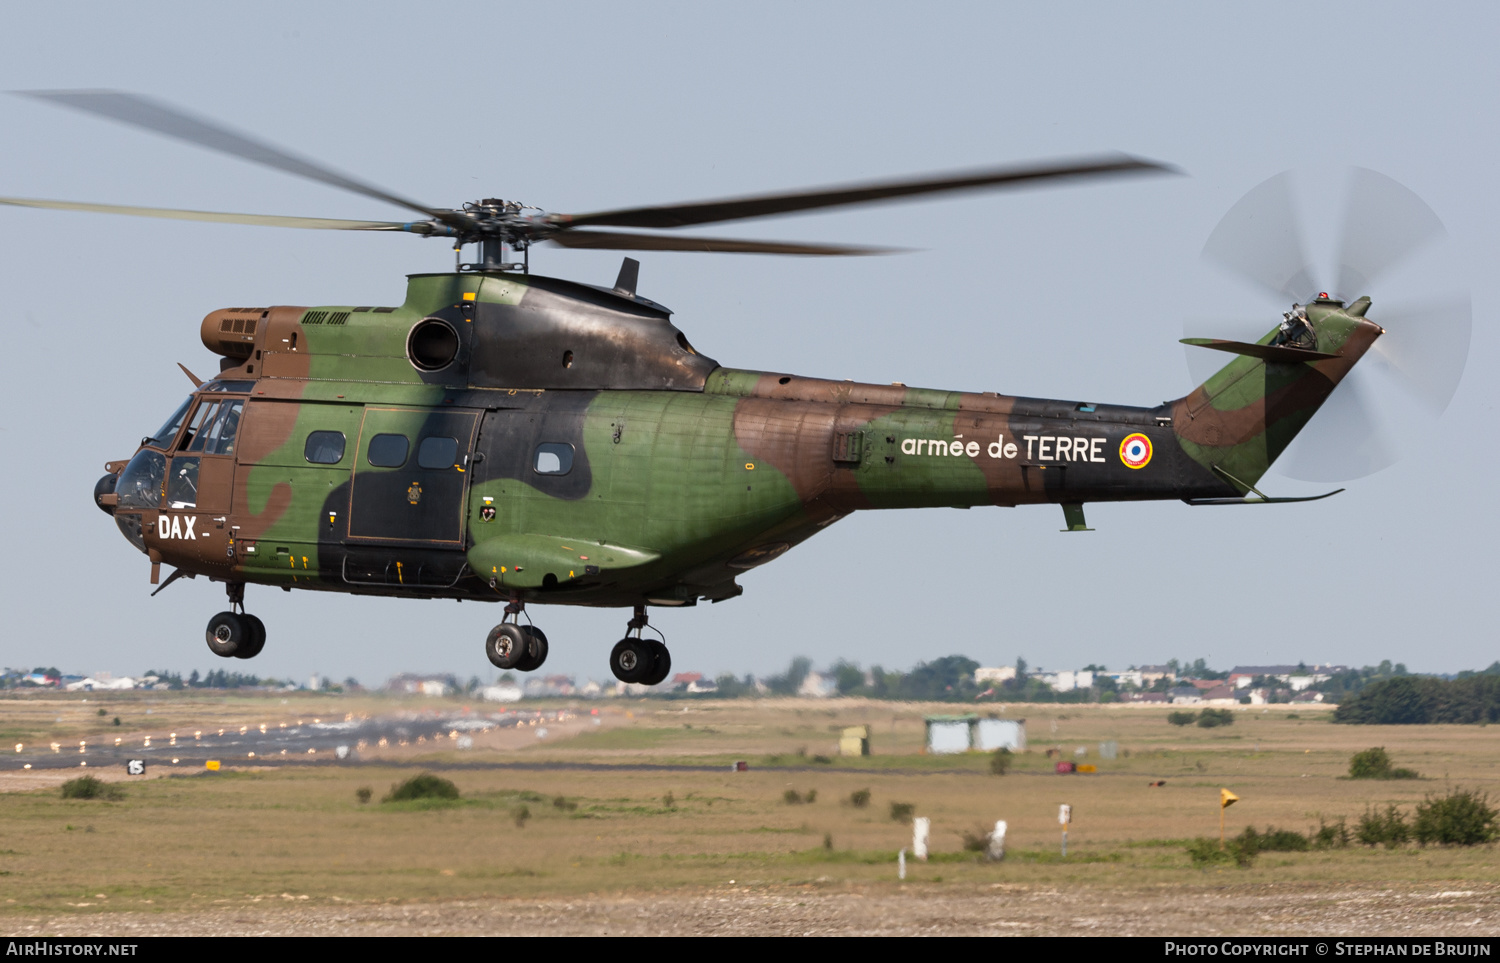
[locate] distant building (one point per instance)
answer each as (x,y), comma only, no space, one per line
(409,683)
(818,686)
(1067,680)
(1185,696)
(503,692)
(1295,677)
(994,676)
(1150,674)
(1153,698)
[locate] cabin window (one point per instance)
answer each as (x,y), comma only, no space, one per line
(324,447)
(435,452)
(388,451)
(553,459)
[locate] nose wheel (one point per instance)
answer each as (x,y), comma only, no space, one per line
(236,634)
(511,645)
(639,660)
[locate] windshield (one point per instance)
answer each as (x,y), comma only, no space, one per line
(168,431)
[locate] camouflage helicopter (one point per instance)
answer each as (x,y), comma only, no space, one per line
(509,437)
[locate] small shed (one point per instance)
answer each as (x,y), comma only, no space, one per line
(995,734)
(947,734)
(854,741)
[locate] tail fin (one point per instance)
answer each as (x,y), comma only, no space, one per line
(1238,422)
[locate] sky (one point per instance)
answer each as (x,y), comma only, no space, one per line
(1073,292)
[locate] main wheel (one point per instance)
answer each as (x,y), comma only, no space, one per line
(227,632)
(536,652)
(507,646)
(661,663)
(256,640)
(630,660)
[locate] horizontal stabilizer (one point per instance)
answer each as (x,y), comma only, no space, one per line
(1265,352)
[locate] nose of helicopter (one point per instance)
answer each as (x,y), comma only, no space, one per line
(104,494)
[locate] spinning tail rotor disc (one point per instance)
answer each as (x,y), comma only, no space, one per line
(1411,374)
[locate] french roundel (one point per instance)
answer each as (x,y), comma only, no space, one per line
(1135,451)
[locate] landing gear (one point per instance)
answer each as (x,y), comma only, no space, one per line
(236,634)
(511,645)
(638,660)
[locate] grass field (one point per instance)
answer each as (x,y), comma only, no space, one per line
(645,804)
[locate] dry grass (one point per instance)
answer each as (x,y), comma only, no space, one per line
(275,834)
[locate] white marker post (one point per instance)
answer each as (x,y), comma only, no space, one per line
(996,851)
(1065,816)
(921,828)
(901,865)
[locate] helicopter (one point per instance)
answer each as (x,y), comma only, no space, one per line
(509,437)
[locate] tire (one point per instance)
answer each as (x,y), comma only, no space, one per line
(630,660)
(256,640)
(226,633)
(536,653)
(507,646)
(661,663)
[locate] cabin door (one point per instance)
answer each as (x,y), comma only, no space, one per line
(411,476)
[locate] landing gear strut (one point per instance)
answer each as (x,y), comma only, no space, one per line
(236,634)
(511,645)
(637,659)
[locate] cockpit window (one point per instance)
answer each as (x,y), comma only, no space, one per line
(214,427)
(235,386)
(168,431)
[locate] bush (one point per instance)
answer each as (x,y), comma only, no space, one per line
(1000,761)
(791,797)
(1212,718)
(521,814)
(1375,764)
(1206,852)
(859,798)
(1272,841)
(567,805)
(1461,818)
(1333,835)
(424,786)
(1388,828)
(976,841)
(363,793)
(901,812)
(1182,718)
(91,787)
(668,801)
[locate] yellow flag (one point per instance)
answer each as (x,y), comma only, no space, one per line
(1227,798)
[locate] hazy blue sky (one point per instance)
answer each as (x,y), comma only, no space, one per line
(1071,292)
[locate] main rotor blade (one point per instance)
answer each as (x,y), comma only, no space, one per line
(708,212)
(610,240)
(1384,224)
(263,220)
(1427,344)
(150,115)
(1260,239)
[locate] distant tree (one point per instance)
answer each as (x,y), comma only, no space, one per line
(1020,667)
(951,677)
(791,680)
(1413,700)
(848,677)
